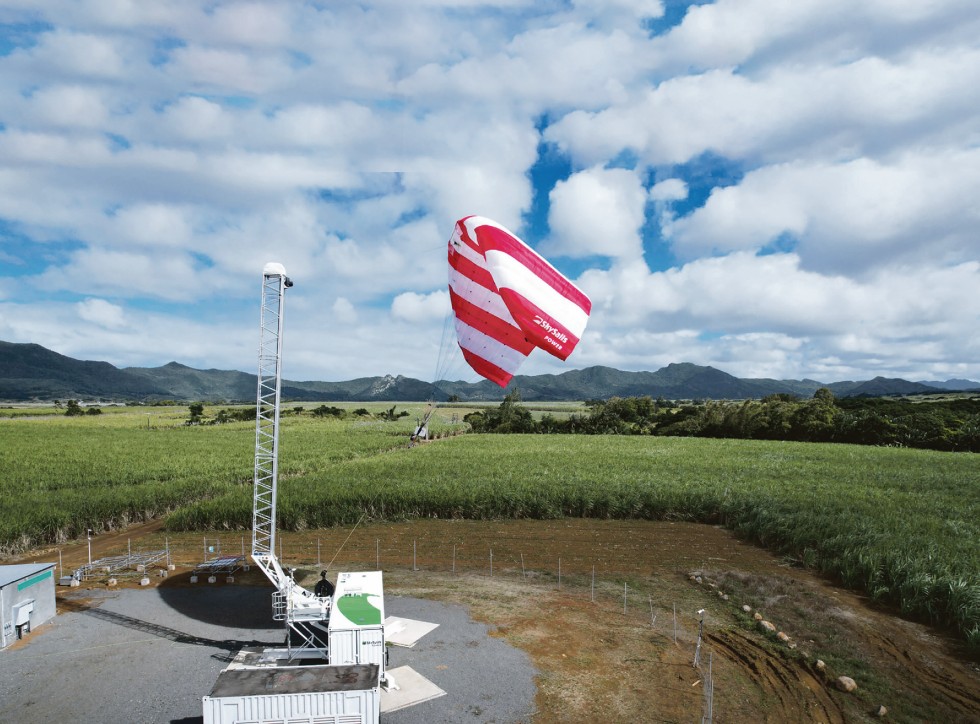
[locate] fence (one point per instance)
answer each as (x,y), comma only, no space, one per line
(618,575)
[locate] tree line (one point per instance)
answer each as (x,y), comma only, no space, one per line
(949,424)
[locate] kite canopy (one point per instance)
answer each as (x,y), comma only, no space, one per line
(507,300)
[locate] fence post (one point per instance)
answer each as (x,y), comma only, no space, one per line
(709,695)
(697,646)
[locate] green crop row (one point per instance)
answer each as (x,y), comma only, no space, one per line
(60,476)
(902,525)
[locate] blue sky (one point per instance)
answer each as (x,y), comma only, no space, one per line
(777,188)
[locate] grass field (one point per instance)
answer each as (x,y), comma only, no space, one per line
(902,525)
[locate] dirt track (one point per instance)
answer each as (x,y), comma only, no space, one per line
(597,661)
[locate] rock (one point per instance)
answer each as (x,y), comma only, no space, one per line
(697,579)
(757,616)
(821,666)
(782,637)
(692,577)
(846,683)
(747,608)
(881,711)
(724,596)
(767,626)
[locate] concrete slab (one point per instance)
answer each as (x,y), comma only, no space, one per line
(405,631)
(413,688)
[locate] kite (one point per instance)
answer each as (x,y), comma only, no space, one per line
(507,300)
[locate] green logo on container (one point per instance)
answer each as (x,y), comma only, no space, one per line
(359,610)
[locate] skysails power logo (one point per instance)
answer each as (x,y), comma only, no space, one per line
(552,330)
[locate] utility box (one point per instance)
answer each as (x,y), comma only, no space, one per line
(26,599)
(295,694)
(356,629)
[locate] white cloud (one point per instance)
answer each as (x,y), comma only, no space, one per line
(597,212)
(671,189)
(102,313)
(847,217)
(866,324)
(251,24)
(197,119)
(159,225)
(343,311)
(412,307)
(164,151)
(223,70)
(70,105)
(80,55)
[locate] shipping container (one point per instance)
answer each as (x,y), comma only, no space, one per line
(295,695)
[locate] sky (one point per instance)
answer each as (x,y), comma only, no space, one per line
(775,188)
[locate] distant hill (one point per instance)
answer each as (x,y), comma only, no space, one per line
(29,371)
(953,385)
(881,386)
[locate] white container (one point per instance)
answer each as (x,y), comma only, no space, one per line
(356,628)
(300,694)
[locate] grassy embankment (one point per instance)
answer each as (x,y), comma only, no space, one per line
(902,525)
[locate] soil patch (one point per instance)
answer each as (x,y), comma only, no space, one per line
(593,603)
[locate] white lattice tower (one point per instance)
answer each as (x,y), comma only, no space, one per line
(274,284)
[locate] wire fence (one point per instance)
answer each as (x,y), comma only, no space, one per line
(628,593)
(629,589)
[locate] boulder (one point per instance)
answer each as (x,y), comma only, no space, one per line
(846,684)
(766,626)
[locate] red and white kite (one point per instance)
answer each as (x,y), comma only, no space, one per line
(507,300)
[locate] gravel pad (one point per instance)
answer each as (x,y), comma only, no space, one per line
(131,656)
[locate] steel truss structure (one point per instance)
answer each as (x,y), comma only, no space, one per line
(131,564)
(227,565)
(305,614)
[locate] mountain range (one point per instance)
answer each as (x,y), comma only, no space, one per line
(32,372)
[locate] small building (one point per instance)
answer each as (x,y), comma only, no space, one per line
(26,599)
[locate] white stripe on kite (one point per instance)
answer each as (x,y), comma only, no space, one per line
(479,296)
(475,341)
(511,274)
